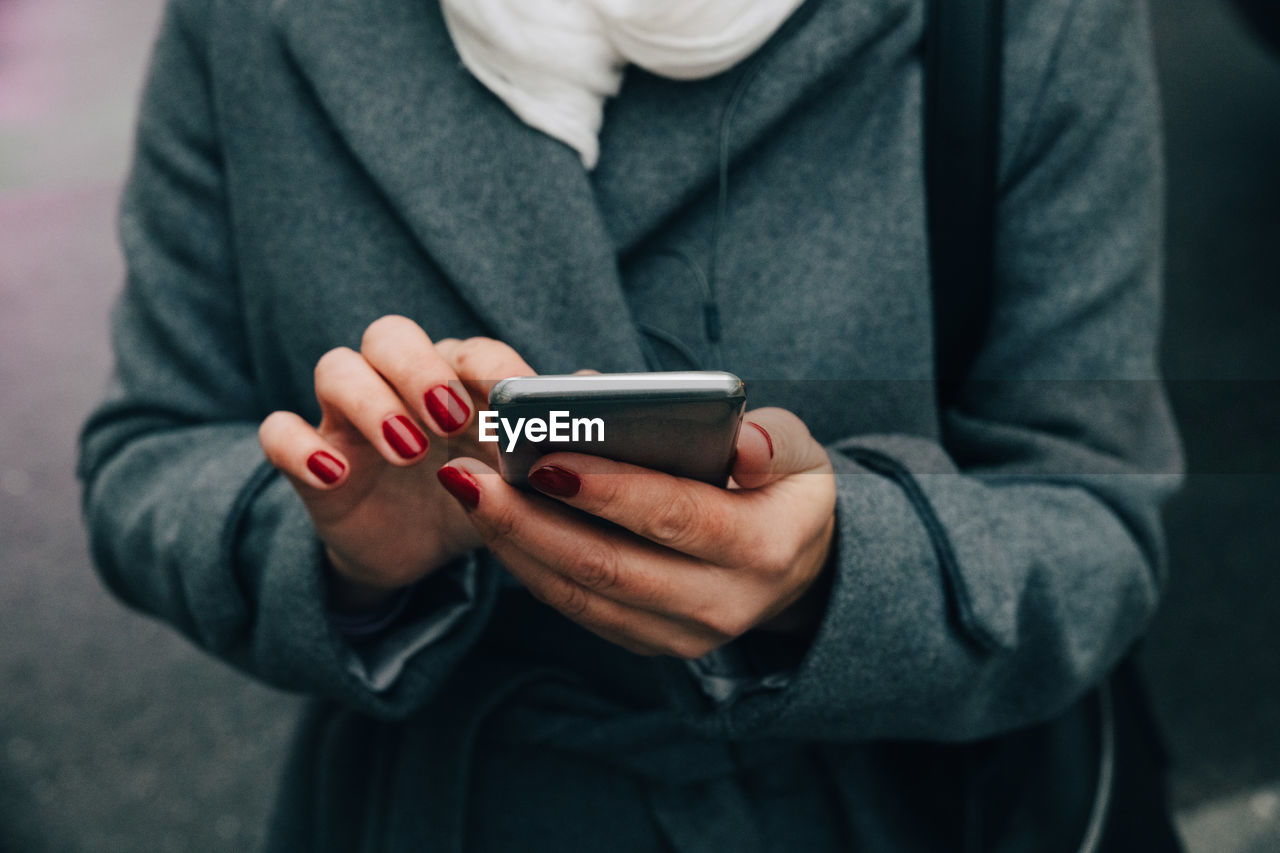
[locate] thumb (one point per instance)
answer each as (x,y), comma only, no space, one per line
(772,444)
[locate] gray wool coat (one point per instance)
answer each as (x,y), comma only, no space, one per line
(304,167)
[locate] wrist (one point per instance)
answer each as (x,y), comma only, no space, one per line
(357,588)
(803,615)
(351,596)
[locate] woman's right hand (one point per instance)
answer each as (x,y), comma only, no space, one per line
(367,474)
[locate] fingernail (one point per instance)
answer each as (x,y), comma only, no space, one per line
(404,436)
(765,433)
(446,407)
(459,484)
(325,466)
(555,481)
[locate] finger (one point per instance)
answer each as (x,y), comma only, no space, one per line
(447,347)
(772,444)
(530,538)
(639,631)
(402,352)
(603,561)
(299,451)
(482,362)
(351,392)
(697,519)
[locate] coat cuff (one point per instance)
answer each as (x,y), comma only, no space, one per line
(727,674)
(294,642)
(380,644)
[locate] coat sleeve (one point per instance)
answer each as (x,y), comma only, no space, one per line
(187,521)
(986,582)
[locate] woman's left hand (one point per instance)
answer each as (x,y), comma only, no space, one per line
(684,567)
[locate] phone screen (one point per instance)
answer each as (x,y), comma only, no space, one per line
(682,423)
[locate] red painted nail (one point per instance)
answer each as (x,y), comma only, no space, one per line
(459,484)
(765,433)
(325,466)
(404,436)
(446,407)
(555,481)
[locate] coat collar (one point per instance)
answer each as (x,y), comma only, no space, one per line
(505,212)
(639,185)
(525,235)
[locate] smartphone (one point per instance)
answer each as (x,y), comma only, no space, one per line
(682,423)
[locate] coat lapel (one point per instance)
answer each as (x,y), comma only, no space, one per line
(525,235)
(640,183)
(507,213)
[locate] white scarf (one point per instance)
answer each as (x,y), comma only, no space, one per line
(554,62)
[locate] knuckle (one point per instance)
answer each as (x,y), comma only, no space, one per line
(381,329)
(690,648)
(447,347)
(471,350)
(596,567)
(726,623)
(501,524)
(331,364)
(570,599)
(773,555)
(605,492)
(505,353)
(484,358)
(678,521)
(540,591)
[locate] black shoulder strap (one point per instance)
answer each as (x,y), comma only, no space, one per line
(962,116)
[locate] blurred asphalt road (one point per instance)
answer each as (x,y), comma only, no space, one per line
(117,735)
